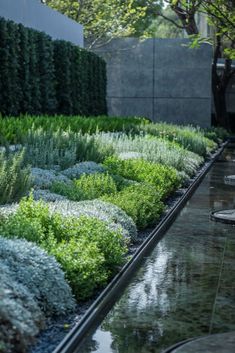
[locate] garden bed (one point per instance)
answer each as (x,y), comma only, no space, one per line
(93,194)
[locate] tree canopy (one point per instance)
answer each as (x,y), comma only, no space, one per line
(220,15)
(106,18)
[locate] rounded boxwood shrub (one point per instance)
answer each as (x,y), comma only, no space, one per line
(141,202)
(83,263)
(165,179)
(88,187)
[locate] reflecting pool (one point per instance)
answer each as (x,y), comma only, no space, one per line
(186,287)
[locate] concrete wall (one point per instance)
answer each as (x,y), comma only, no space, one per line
(159,78)
(33,14)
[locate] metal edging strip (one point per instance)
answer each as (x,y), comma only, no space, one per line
(107,298)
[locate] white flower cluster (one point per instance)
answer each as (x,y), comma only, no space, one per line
(107,212)
(43,178)
(47,196)
(79,169)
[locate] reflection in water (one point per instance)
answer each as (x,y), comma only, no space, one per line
(186,288)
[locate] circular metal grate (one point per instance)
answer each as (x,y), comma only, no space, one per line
(229,180)
(224,216)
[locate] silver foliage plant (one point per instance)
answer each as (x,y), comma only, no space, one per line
(47,196)
(20,316)
(105,211)
(152,149)
(40,273)
(89,167)
(44,178)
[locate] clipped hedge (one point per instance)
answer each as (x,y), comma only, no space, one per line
(39,75)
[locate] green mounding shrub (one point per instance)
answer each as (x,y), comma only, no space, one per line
(164,179)
(188,137)
(15,180)
(83,264)
(33,221)
(217,134)
(62,149)
(39,273)
(152,149)
(88,187)
(112,215)
(14,129)
(20,316)
(141,202)
(44,76)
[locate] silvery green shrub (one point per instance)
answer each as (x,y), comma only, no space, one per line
(20,316)
(40,273)
(112,215)
(79,169)
(190,137)
(152,149)
(44,178)
(47,196)
(46,149)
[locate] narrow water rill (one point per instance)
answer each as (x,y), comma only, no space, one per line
(186,287)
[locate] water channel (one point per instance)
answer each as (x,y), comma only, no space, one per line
(186,287)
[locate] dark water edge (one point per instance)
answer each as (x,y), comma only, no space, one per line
(186,287)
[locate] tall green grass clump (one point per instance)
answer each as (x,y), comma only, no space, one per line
(15,179)
(14,129)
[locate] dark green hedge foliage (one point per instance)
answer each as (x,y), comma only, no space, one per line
(39,75)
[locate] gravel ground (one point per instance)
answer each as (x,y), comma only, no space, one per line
(57,328)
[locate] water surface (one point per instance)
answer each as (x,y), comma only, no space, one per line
(186,287)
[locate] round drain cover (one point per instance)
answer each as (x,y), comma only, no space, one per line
(225,216)
(229,180)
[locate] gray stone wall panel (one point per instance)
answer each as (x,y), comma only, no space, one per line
(183,111)
(142,107)
(161,79)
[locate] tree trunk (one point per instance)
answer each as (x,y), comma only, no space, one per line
(219,87)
